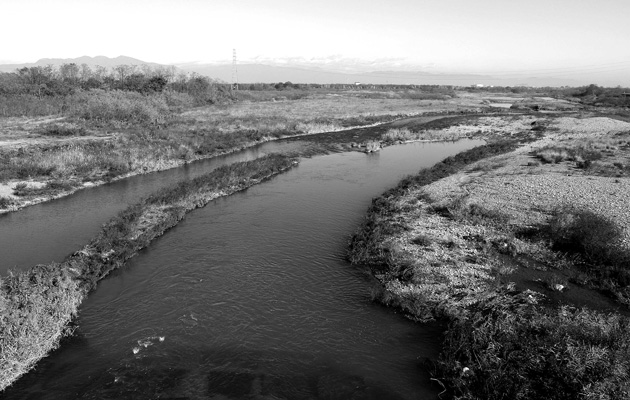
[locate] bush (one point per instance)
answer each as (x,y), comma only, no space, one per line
(5,202)
(26,105)
(63,130)
(121,107)
(584,232)
(398,134)
(178,101)
(579,154)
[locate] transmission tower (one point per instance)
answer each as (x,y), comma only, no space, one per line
(234,73)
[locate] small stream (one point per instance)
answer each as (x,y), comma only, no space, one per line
(249,297)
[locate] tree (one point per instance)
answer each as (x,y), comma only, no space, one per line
(156,84)
(86,72)
(123,71)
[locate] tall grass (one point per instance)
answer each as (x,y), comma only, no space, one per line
(35,307)
(511,348)
(404,134)
(79,161)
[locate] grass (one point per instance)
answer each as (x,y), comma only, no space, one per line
(111,134)
(37,305)
(511,348)
(366,244)
(395,135)
(84,161)
(35,308)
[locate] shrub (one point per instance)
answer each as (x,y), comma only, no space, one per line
(63,130)
(120,107)
(584,232)
(372,146)
(27,105)
(555,154)
(178,101)
(396,134)
(51,188)
(5,202)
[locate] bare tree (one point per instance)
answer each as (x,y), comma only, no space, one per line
(86,72)
(123,71)
(69,72)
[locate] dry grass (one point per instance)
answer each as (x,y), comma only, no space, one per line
(406,135)
(35,309)
(116,134)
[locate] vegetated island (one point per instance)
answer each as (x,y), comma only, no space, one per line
(38,305)
(523,246)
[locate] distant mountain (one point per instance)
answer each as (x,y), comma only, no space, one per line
(319,73)
(261,73)
(91,61)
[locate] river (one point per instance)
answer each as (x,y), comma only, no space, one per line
(251,297)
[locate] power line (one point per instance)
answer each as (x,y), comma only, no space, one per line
(234,72)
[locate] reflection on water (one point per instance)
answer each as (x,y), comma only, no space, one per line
(251,297)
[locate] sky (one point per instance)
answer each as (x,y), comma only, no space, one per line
(565,38)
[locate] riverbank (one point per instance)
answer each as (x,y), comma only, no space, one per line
(47,157)
(39,304)
(43,158)
(524,253)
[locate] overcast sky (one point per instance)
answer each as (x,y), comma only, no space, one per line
(553,37)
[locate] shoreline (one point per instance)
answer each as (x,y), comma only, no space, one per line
(502,248)
(410,118)
(175,164)
(41,302)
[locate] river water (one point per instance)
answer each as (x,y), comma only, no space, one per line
(50,231)
(250,298)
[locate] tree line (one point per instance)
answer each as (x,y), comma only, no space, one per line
(68,79)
